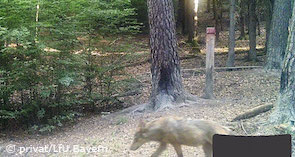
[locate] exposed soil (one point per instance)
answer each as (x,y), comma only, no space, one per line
(235,92)
(112,134)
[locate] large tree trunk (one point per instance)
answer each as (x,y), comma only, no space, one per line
(167,88)
(279,33)
(285,109)
(191,20)
(252,30)
(231,53)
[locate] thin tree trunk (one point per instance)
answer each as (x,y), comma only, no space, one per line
(252,31)
(37,19)
(242,20)
(186,16)
(242,27)
(231,53)
(258,25)
(220,14)
(285,110)
(181,15)
(167,87)
(269,13)
(216,19)
(191,21)
(278,34)
(208,6)
(214,9)
(247,16)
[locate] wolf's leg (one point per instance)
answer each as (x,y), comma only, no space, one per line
(160,149)
(178,150)
(207,147)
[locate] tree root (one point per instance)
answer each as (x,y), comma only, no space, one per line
(166,102)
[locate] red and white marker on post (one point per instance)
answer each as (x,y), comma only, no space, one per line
(210,44)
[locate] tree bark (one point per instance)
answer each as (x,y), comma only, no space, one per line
(217,10)
(269,13)
(278,34)
(231,52)
(247,16)
(181,16)
(253,112)
(242,20)
(220,14)
(258,24)
(208,6)
(214,9)
(216,19)
(186,16)
(191,20)
(37,19)
(167,88)
(285,108)
(252,55)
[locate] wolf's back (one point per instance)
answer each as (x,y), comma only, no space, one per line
(211,128)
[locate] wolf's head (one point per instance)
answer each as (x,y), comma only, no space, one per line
(140,136)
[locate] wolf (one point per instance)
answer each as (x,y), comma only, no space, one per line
(178,131)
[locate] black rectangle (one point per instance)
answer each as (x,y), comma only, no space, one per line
(251,146)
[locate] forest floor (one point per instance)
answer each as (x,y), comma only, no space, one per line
(112,134)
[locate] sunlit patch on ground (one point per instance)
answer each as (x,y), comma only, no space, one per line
(225,49)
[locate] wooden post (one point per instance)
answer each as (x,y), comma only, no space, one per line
(210,43)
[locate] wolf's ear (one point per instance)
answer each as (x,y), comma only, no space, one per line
(141,124)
